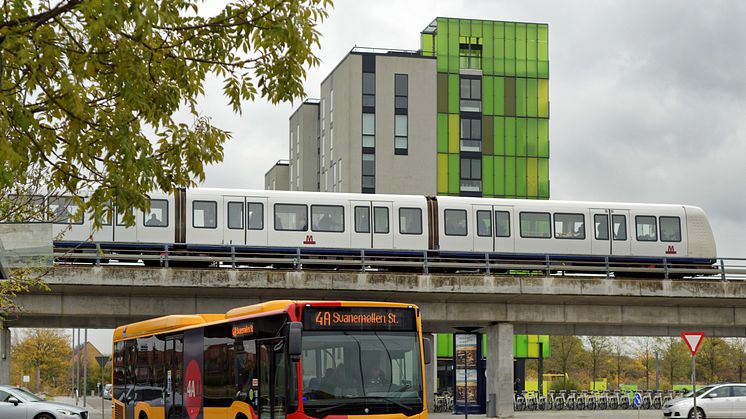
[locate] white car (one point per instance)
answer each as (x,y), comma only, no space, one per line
(19,403)
(713,401)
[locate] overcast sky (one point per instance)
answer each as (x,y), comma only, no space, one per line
(648,99)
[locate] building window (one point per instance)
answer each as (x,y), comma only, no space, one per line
(401,142)
(401,110)
(471,94)
(470,52)
(471,134)
(369,90)
(331,110)
(369,130)
(471,175)
(369,172)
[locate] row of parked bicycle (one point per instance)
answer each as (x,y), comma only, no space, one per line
(591,400)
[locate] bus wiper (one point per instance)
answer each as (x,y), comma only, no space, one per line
(336,405)
(390,400)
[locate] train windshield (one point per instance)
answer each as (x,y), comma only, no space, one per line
(361,372)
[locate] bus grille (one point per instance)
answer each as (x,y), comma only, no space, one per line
(118,411)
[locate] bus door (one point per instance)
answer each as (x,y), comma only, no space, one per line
(505,228)
(234,214)
(610,238)
(174,366)
(483,233)
(273,378)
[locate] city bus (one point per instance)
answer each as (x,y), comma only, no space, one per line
(274,360)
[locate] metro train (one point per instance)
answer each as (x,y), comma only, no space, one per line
(448,225)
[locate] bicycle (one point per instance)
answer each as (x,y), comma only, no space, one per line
(614,400)
(646,401)
(657,400)
(580,401)
(590,400)
(519,404)
(570,400)
(541,401)
(531,401)
(558,400)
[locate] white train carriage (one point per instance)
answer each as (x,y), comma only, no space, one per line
(573,228)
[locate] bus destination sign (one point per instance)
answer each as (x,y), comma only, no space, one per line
(358,318)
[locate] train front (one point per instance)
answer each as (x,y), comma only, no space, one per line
(361,359)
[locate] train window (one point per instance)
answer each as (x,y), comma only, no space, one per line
(290,217)
(569,226)
(381,220)
(410,221)
(455,222)
(256,216)
(620,227)
(646,228)
(362,219)
(120,218)
(235,215)
(204,214)
(29,207)
(670,229)
(329,218)
(64,210)
(158,214)
(601,226)
(502,224)
(484,224)
(536,225)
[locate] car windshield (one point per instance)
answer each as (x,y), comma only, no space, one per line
(361,372)
(27,395)
(700,391)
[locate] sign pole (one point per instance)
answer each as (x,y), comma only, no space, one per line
(694,383)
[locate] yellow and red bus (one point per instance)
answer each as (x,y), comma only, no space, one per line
(274,360)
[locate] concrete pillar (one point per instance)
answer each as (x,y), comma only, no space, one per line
(4,355)
(500,367)
(430,377)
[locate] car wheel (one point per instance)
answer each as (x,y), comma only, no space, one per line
(700,414)
(44,416)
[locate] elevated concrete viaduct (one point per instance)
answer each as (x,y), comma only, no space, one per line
(106,296)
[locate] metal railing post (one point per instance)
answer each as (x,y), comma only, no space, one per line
(298,265)
(606,264)
(722,269)
(487,262)
(362,260)
(233,256)
(164,261)
(98,254)
(425,268)
(546,258)
(665,269)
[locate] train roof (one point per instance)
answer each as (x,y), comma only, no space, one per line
(178,322)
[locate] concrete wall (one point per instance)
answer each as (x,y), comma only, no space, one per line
(303,147)
(84,296)
(277,178)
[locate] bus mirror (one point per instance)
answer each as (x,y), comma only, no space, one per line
(427,344)
(295,332)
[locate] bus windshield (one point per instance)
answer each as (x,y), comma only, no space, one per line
(346,372)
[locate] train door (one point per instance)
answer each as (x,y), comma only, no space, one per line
(123,233)
(505,229)
(105,233)
(273,373)
(234,214)
(383,234)
(610,238)
(483,233)
(361,236)
(257,221)
(174,366)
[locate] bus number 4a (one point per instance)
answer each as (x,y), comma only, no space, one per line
(190,390)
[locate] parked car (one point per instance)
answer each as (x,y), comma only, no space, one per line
(107,392)
(713,401)
(19,403)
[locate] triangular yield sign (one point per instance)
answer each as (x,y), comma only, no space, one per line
(693,340)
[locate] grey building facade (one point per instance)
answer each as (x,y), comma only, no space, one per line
(278,177)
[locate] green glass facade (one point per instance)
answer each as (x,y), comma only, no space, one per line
(508,63)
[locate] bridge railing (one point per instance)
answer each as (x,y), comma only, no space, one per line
(368,260)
